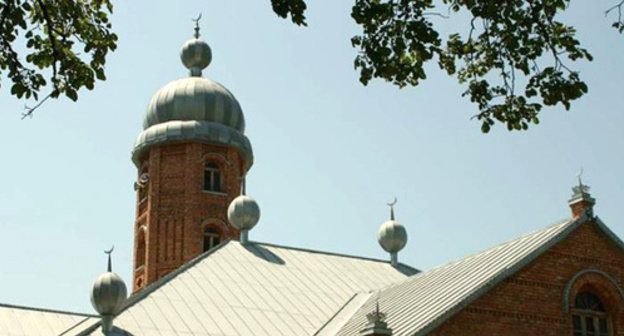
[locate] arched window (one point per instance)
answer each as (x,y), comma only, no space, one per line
(212,237)
(140,252)
(589,317)
(212,177)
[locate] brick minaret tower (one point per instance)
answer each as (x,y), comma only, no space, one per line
(190,158)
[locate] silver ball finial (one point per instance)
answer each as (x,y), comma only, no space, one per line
(392,236)
(196,54)
(108,294)
(243,213)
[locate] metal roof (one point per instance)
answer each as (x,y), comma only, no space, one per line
(419,304)
(26,321)
(256,289)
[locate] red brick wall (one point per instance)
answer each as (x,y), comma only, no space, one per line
(177,207)
(530,302)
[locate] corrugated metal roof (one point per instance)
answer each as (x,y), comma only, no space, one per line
(422,302)
(256,289)
(26,321)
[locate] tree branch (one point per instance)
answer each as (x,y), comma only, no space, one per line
(51,30)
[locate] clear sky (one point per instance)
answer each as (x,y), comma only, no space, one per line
(329,153)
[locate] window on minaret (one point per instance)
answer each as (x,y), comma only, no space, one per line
(212,238)
(212,177)
(140,252)
(589,317)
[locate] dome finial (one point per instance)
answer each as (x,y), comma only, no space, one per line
(108,295)
(392,236)
(391,205)
(243,213)
(197,25)
(110,263)
(196,54)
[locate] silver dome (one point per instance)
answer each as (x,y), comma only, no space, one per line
(392,236)
(108,294)
(196,55)
(199,131)
(194,109)
(195,98)
(243,213)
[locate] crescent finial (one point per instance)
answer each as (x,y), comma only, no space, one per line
(391,205)
(578,176)
(110,263)
(197,25)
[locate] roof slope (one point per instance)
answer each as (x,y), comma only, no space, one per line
(25,321)
(257,289)
(422,302)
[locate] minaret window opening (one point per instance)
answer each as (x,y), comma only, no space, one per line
(140,253)
(589,317)
(212,177)
(212,238)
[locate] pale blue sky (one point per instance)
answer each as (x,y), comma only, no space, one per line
(329,152)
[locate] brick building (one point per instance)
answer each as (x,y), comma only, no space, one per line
(196,273)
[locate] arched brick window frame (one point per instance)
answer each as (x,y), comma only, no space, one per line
(141,253)
(604,287)
(211,227)
(215,173)
(142,189)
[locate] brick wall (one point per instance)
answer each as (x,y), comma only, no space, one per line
(177,208)
(531,301)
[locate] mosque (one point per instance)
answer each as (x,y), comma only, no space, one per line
(197,272)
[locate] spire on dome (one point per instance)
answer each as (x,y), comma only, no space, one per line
(197,25)
(110,263)
(391,205)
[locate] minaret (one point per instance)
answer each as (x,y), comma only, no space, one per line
(190,158)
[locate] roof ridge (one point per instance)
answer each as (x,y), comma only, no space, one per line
(567,226)
(333,254)
(472,255)
(45,310)
(143,293)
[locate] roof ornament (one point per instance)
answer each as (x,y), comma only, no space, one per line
(110,263)
(377,324)
(580,189)
(108,295)
(391,205)
(392,236)
(197,25)
(581,201)
(196,54)
(243,213)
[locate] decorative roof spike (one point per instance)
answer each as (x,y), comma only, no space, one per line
(581,201)
(377,324)
(197,25)
(391,205)
(580,190)
(110,263)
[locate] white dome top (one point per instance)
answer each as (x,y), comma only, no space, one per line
(243,213)
(108,294)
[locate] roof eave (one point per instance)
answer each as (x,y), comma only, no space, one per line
(511,270)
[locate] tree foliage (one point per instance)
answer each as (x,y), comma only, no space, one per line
(70,39)
(513,57)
